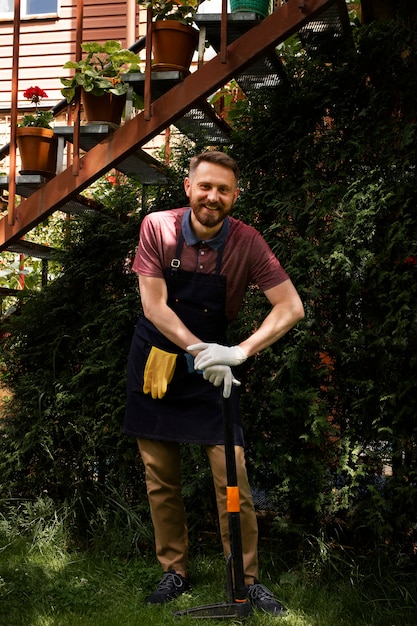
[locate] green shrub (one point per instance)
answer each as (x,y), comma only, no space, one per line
(329,177)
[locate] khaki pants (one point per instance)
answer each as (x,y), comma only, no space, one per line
(162,470)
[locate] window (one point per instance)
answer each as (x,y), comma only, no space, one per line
(29,8)
(40,7)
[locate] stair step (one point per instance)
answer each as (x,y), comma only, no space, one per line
(324,35)
(147,169)
(27,184)
(161,82)
(199,123)
(6,292)
(320,19)
(30,248)
(237,25)
(267,71)
(203,123)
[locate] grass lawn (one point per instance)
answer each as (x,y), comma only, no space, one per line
(42,583)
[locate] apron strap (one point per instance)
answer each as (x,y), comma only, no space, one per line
(220,258)
(176,261)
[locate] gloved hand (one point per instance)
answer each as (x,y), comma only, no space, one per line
(218,374)
(159,370)
(215,354)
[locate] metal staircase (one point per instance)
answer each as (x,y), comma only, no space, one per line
(250,58)
(200,122)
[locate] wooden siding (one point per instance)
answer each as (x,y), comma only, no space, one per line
(46,44)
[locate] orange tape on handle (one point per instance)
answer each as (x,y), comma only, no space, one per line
(233,499)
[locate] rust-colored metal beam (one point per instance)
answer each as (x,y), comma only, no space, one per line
(77,113)
(148,83)
(223,38)
(199,85)
(13,116)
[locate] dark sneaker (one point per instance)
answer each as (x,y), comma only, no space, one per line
(170,587)
(262,598)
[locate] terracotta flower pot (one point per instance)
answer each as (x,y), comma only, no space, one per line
(37,149)
(107,108)
(173,45)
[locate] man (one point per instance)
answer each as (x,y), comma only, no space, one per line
(194,265)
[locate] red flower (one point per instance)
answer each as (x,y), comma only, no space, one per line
(411,260)
(34,94)
(41,119)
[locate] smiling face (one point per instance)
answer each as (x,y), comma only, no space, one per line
(212,191)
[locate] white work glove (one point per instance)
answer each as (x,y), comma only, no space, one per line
(218,374)
(215,354)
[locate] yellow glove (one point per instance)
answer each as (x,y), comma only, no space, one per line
(159,370)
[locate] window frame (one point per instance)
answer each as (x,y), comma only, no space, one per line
(24,15)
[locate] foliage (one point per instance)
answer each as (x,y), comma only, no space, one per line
(38,562)
(173,194)
(178,10)
(13,272)
(41,119)
(61,584)
(66,362)
(100,70)
(26,273)
(329,175)
(225,99)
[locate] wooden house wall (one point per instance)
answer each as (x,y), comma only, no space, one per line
(46,44)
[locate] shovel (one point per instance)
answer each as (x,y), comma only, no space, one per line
(237,605)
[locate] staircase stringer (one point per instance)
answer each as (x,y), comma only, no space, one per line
(277,27)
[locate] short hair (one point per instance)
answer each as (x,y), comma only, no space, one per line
(216,157)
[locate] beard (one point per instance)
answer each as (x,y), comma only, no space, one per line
(209,217)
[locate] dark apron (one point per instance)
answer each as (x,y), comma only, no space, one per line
(191,410)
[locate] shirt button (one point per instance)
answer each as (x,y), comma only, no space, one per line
(201,267)
(202,252)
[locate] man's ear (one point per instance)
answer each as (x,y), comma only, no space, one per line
(237,192)
(187,186)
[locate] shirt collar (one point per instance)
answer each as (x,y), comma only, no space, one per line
(190,238)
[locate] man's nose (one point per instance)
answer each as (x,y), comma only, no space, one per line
(213,195)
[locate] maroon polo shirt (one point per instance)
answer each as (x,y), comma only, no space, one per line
(247,258)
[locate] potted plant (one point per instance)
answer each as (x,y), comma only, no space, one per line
(174,39)
(35,137)
(99,76)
